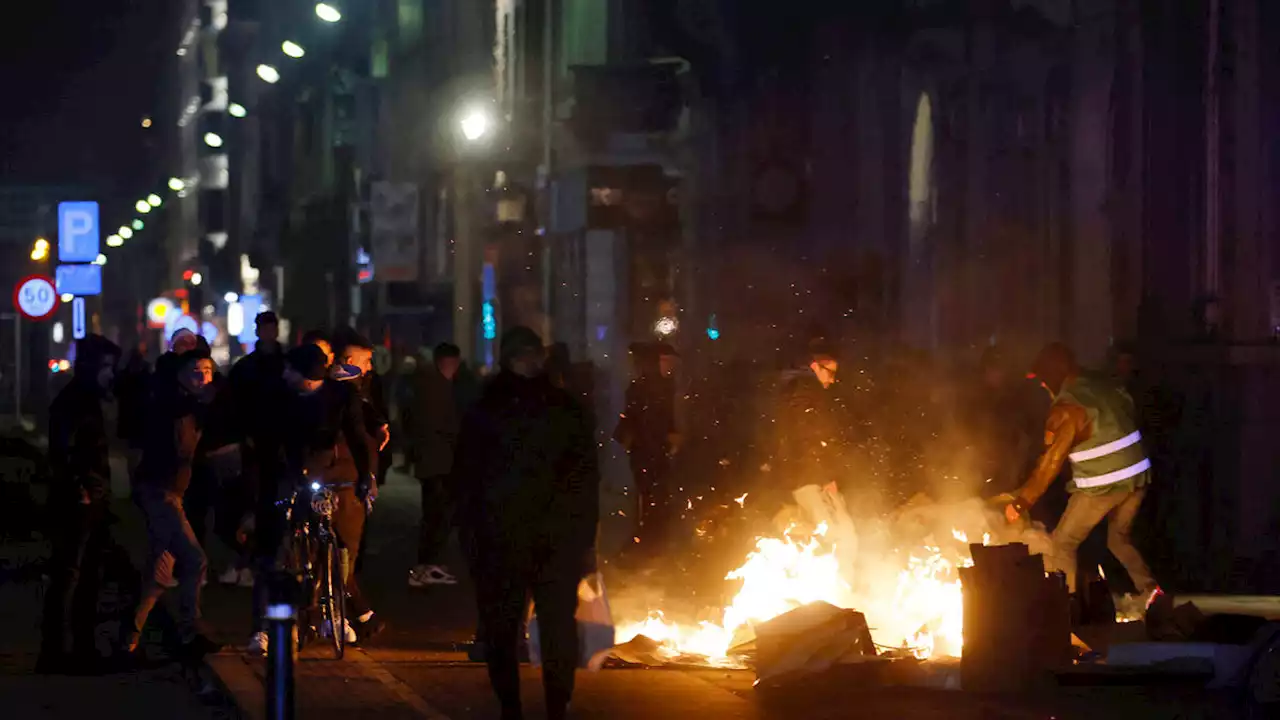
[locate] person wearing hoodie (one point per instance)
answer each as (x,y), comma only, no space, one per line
(174,556)
(325,440)
(78,498)
(437,414)
(529,483)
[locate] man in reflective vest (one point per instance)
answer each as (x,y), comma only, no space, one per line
(1091,424)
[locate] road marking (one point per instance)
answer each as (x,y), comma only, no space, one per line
(371,668)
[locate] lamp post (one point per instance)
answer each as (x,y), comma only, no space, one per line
(474,127)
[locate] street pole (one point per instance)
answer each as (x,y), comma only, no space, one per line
(17,369)
(464,263)
(281,620)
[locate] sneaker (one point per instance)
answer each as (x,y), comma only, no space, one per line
(245,579)
(425,575)
(258,644)
(368,629)
(230,576)
(326,631)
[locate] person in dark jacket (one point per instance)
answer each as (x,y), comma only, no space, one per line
(647,429)
(437,413)
(77,503)
(258,392)
(174,556)
(529,478)
(325,440)
(132,391)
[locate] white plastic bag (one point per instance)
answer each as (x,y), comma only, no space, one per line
(595,625)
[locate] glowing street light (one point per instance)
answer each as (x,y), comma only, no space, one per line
(269,74)
(176,184)
(142,206)
(196,278)
(124,232)
(68,297)
(138,224)
(231,297)
(100,260)
(328,13)
(236,110)
(154,200)
(114,241)
(213,140)
(475,124)
(292,49)
(40,250)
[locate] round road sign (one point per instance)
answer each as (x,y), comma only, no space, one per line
(36,297)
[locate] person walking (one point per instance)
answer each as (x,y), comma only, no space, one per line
(529,480)
(437,416)
(79,496)
(174,555)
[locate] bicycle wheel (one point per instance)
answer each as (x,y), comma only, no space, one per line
(333,600)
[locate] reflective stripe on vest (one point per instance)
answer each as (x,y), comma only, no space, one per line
(1114,477)
(1101,450)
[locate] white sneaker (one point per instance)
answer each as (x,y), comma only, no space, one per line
(326,630)
(246,578)
(230,576)
(257,644)
(425,575)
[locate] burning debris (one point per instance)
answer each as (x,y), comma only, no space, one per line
(900,572)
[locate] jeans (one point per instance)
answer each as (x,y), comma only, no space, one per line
(70,605)
(437,520)
(348,522)
(174,558)
(1083,514)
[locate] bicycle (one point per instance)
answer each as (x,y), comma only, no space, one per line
(314,552)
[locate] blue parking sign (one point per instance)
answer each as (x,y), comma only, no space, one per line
(77,232)
(79,279)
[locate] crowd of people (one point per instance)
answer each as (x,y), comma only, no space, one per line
(511,465)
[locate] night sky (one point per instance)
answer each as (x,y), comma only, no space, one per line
(78,76)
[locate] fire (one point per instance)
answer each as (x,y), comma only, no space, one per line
(912,601)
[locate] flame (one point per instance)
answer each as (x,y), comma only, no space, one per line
(919,608)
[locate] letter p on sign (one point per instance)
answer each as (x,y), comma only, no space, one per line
(78,232)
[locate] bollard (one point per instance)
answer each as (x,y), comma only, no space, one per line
(281,649)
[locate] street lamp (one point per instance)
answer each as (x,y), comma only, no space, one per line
(196,278)
(124,232)
(292,49)
(176,184)
(40,250)
(328,13)
(269,74)
(153,200)
(475,123)
(236,110)
(138,224)
(213,140)
(114,241)
(100,260)
(142,206)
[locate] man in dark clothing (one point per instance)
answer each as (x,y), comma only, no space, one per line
(438,415)
(132,393)
(174,556)
(811,427)
(77,504)
(257,391)
(325,440)
(526,463)
(647,429)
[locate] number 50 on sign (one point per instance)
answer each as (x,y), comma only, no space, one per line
(35,297)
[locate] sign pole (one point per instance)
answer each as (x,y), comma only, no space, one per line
(17,368)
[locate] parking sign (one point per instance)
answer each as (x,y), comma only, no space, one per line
(77,232)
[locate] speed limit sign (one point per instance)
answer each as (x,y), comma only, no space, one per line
(35,297)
